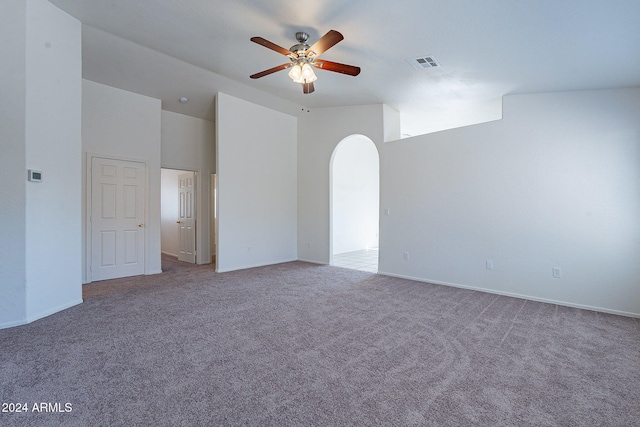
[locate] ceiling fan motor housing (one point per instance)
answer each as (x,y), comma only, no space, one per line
(301,48)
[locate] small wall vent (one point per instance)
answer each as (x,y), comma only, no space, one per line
(423,62)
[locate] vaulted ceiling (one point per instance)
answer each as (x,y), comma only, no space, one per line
(486,49)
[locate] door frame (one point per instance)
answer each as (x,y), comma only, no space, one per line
(201,256)
(87,216)
(213,209)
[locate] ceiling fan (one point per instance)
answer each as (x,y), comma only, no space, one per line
(303,58)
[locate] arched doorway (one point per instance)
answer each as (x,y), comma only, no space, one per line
(355,200)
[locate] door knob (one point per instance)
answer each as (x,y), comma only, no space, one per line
(140,225)
(178,222)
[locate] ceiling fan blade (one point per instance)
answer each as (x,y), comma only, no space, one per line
(325,42)
(336,67)
(270,45)
(307,87)
(270,71)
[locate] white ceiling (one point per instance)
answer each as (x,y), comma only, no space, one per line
(486,48)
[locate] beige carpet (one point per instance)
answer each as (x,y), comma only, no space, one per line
(302,344)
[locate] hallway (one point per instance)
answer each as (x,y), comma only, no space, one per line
(364,260)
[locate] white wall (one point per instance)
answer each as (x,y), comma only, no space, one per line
(391,123)
(170,211)
(355,190)
(319,132)
(124,125)
(41,271)
(13,26)
(449,114)
(188,143)
(556,183)
(257,192)
(54,93)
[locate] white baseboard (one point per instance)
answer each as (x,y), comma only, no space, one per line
(53,310)
(313,261)
(153,272)
(41,315)
(254,265)
(12,324)
(514,295)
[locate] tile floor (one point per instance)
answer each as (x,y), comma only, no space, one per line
(365,260)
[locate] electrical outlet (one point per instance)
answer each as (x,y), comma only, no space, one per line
(489,265)
(557,272)
(405,256)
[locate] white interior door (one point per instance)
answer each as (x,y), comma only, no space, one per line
(117,218)
(187,219)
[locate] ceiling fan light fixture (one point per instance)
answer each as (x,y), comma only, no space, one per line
(307,73)
(301,72)
(295,73)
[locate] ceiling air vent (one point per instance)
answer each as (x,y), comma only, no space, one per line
(423,62)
